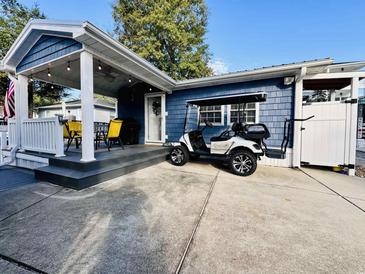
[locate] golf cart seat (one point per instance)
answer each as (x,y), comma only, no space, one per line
(235,130)
(220,138)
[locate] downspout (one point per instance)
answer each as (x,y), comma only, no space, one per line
(298,113)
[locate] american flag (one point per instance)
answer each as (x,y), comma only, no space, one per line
(9,109)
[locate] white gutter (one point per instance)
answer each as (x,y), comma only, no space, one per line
(251,74)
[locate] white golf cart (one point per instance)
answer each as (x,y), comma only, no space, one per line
(240,146)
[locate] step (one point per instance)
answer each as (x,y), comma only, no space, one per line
(78,180)
(108,158)
(275,153)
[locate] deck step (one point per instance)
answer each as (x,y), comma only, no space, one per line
(72,177)
(107,159)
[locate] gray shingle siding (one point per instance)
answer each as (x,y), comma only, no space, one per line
(273,112)
(46,49)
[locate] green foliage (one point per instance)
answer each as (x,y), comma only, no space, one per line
(319,96)
(13,18)
(42,94)
(167,33)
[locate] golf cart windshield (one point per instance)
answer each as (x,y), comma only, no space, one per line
(230,99)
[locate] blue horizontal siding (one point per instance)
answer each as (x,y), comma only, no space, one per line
(48,48)
(278,106)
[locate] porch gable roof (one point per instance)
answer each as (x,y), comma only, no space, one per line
(102,45)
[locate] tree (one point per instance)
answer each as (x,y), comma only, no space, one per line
(167,33)
(319,96)
(13,18)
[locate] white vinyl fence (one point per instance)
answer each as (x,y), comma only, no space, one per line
(325,138)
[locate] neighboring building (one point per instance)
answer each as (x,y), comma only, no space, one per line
(104,111)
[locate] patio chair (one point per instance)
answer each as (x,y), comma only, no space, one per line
(113,135)
(72,130)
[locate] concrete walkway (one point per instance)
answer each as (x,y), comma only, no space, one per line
(14,177)
(278,220)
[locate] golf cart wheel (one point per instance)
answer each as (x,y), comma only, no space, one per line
(179,156)
(243,163)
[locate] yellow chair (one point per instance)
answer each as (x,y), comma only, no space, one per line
(114,129)
(72,130)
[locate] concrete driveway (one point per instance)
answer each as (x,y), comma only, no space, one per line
(278,220)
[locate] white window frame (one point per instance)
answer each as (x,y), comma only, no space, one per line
(257,114)
(214,124)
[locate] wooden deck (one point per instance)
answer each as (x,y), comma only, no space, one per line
(70,172)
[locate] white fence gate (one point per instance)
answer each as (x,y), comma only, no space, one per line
(325,138)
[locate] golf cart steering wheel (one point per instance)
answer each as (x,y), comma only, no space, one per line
(208,123)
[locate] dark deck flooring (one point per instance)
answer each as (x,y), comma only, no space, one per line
(74,155)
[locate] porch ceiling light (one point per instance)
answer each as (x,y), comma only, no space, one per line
(130,80)
(150,89)
(68,66)
(49,73)
(52,86)
(31,78)
(99,66)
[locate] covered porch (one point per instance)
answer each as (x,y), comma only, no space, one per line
(80,56)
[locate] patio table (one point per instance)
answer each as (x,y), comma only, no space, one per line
(100,129)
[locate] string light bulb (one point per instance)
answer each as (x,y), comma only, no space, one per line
(99,66)
(150,89)
(49,73)
(31,78)
(68,66)
(52,87)
(130,80)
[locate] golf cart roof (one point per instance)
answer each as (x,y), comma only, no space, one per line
(230,99)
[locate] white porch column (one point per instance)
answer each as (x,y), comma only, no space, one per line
(353,125)
(21,104)
(87,106)
(116,108)
(298,110)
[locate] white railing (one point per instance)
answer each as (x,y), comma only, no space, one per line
(3,139)
(12,132)
(42,135)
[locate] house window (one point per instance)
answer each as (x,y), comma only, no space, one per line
(249,115)
(213,114)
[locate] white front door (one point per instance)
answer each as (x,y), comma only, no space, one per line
(155,118)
